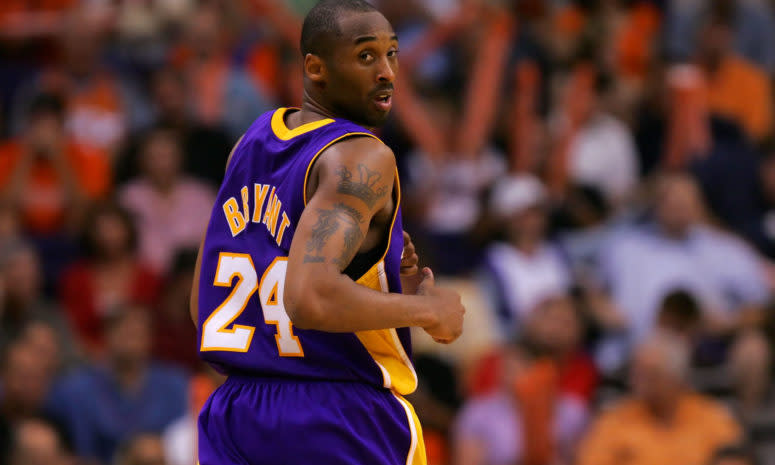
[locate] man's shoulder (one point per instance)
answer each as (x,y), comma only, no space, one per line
(359,149)
(627,410)
(706,408)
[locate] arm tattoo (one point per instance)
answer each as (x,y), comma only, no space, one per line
(364,187)
(329,222)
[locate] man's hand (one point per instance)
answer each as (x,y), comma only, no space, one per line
(409,258)
(410,278)
(448,309)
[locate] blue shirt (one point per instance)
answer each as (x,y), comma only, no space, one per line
(100,415)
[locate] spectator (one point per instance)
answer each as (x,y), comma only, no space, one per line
(736,89)
(25,382)
(222,94)
(109,276)
(524,269)
(660,422)
(159,195)
(9,223)
(523,421)
(680,313)
(104,404)
(583,228)
(174,335)
(644,263)
(602,152)
(48,176)
(23,301)
(751,22)
(555,329)
(38,442)
(206,148)
(101,108)
(143,449)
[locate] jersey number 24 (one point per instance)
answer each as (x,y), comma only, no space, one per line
(218,332)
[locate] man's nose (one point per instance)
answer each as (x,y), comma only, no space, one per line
(385,71)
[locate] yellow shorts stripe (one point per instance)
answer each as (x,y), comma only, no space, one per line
(416,454)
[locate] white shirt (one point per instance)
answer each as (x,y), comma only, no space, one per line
(642,266)
(528,279)
(602,155)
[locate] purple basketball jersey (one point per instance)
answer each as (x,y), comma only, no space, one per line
(243,326)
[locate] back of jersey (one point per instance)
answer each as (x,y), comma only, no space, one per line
(243,326)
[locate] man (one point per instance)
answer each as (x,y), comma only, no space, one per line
(643,264)
(663,422)
(526,268)
(104,404)
(317,368)
(47,175)
(525,420)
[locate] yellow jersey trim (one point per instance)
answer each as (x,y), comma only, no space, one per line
(383,345)
(283,133)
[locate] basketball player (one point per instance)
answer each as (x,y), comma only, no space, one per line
(298,288)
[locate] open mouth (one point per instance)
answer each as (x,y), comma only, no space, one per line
(384,100)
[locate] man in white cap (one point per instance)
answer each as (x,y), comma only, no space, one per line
(524,269)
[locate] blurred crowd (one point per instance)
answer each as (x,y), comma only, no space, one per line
(596,177)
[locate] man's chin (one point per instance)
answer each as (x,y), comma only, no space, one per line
(377,120)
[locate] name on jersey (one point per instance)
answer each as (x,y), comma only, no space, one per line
(267,209)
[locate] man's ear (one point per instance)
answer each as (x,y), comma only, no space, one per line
(314,68)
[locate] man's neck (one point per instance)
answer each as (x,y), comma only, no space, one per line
(527,245)
(129,375)
(675,234)
(311,110)
(665,412)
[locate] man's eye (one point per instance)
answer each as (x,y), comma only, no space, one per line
(393,53)
(365,56)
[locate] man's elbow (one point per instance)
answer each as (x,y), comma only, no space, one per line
(306,306)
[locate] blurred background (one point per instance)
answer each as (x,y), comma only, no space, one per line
(596,177)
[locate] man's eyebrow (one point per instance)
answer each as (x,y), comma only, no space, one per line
(371,38)
(362,39)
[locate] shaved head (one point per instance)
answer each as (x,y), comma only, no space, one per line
(321,26)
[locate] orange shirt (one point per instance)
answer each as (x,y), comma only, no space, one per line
(96,110)
(628,435)
(43,203)
(741,91)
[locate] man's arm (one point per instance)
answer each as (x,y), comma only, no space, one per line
(330,232)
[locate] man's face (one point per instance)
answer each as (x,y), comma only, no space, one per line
(362,68)
(678,206)
(23,270)
(553,325)
(650,378)
(129,340)
(25,378)
(162,158)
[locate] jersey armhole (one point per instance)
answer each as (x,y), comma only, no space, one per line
(358,267)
